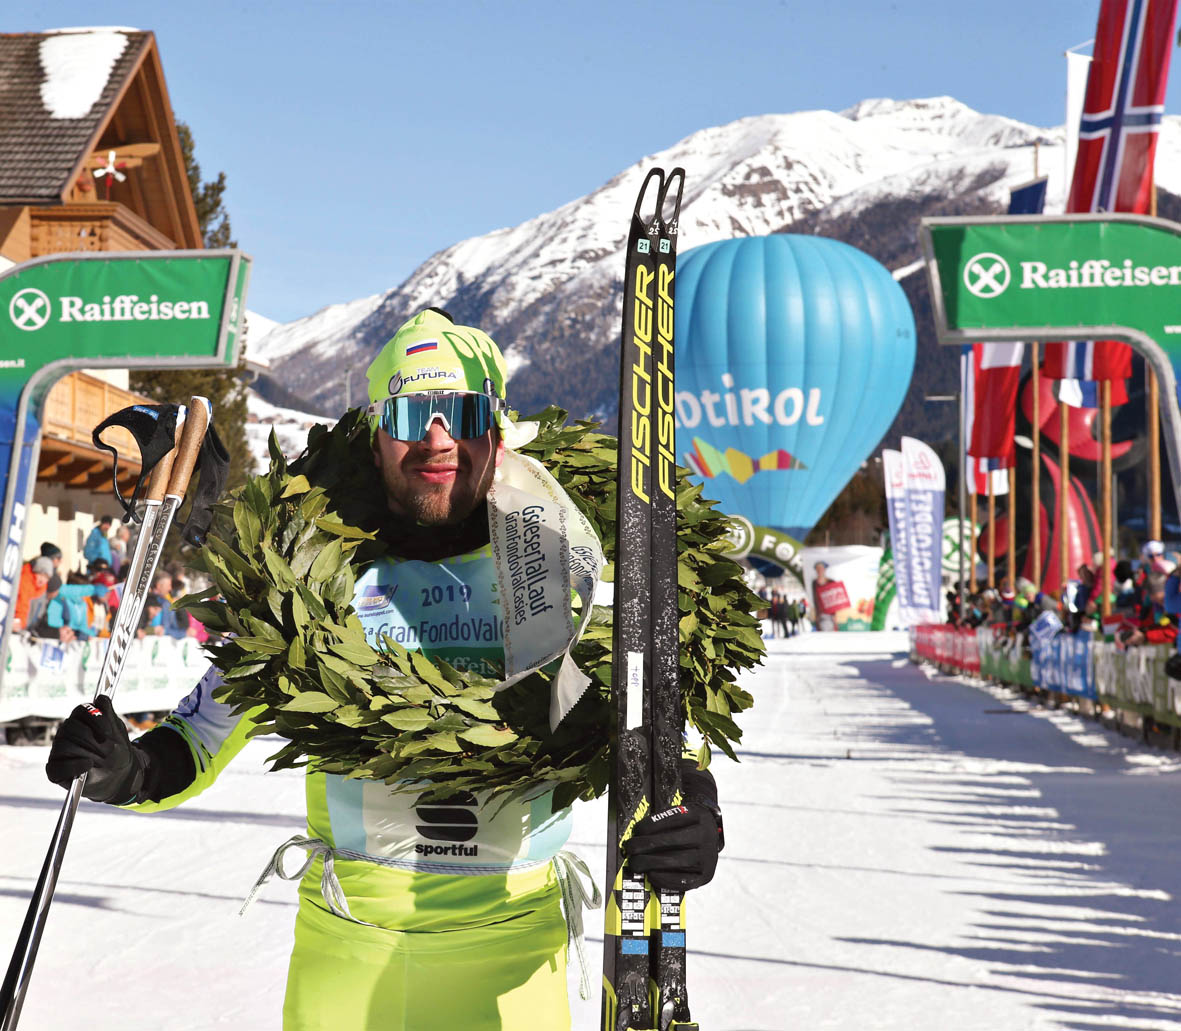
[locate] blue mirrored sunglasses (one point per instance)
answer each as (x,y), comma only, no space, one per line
(408,417)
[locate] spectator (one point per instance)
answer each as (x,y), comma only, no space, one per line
(34,579)
(1086,591)
(151,621)
(1156,627)
(101,607)
(1125,591)
(170,619)
(1023,599)
(52,552)
(120,585)
(778,623)
(120,548)
(67,615)
(39,610)
(793,618)
(976,611)
(97,545)
(100,573)
(1151,554)
(824,620)
(953,604)
(1008,596)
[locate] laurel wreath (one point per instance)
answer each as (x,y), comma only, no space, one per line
(284,554)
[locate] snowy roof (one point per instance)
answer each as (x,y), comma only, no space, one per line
(56,89)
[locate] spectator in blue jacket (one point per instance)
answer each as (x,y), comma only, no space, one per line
(97,544)
(66,616)
(175,624)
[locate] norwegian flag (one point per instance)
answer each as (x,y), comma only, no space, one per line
(980,471)
(1113,168)
(982,468)
(1124,105)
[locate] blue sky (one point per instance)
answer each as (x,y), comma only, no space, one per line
(360,138)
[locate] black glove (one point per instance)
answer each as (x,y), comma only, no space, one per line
(678,848)
(93,740)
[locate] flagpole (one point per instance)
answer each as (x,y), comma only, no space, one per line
(1063,493)
(991,533)
(1105,487)
(963,492)
(1154,499)
(1036,485)
(972,535)
(1013,528)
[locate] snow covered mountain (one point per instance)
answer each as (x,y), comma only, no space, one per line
(549,290)
(290,427)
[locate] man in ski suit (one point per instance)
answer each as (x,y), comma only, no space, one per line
(416,916)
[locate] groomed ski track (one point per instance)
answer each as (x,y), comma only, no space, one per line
(904,850)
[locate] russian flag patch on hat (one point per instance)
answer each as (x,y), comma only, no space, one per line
(426,345)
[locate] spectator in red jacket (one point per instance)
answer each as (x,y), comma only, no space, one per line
(35,576)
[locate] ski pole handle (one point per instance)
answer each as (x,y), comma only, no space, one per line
(189,447)
(158,478)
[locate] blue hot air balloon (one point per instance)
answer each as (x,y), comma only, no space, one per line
(793,356)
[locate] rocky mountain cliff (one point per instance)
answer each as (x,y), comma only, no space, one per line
(549,290)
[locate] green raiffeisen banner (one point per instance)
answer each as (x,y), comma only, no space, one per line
(153,309)
(1073,277)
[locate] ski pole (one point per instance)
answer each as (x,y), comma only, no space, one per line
(166,488)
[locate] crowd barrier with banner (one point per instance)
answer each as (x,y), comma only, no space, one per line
(950,646)
(1079,665)
(46,678)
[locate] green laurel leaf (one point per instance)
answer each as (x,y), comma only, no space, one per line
(285,552)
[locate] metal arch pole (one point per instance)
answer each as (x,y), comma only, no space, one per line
(963,491)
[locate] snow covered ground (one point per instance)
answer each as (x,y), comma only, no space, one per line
(904,851)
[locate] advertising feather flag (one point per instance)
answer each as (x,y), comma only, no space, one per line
(925,488)
(895,482)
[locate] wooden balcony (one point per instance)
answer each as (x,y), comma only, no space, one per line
(75,405)
(96,226)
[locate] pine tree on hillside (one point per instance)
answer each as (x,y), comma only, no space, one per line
(225,388)
(207,196)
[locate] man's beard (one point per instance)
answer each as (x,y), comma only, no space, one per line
(438,505)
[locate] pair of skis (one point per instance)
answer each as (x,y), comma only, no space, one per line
(644,977)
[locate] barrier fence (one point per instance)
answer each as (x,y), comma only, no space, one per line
(1081,665)
(48,678)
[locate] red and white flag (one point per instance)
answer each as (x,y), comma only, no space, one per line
(996,373)
(1113,168)
(981,387)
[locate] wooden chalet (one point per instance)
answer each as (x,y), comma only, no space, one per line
(90,160)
